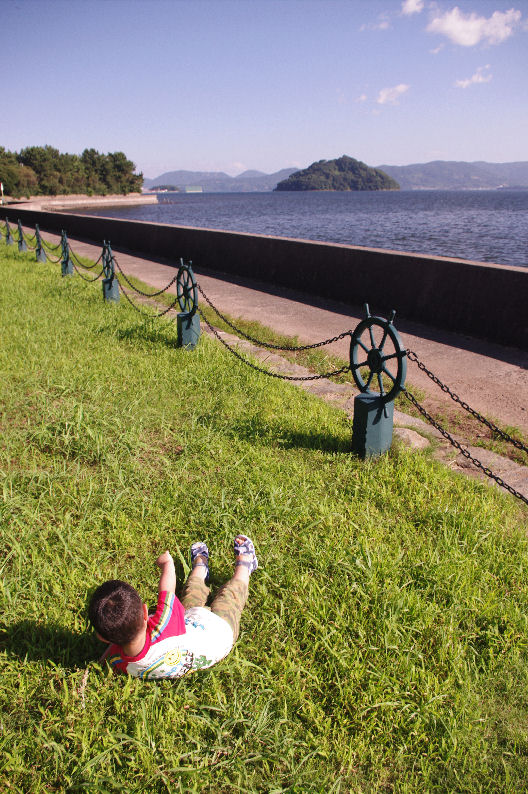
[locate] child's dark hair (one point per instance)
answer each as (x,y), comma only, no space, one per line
(116,611)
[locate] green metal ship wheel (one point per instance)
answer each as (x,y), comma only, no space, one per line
(375,346)
(186,289)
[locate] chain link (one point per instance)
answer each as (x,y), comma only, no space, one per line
(51,259)
(82,264)
(49,246)
(413,357)
(260,343)
(139,292)
(85,278)
(140,311)
(29,241)
(465,452)
(265,371)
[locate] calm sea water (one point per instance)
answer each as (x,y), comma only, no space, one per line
(486,226)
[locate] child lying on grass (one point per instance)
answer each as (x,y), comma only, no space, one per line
(180,636)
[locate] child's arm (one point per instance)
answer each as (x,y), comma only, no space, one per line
(168,574)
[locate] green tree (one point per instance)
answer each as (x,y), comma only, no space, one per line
(18,180)
(46,171)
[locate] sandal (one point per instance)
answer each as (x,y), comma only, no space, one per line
(246,547)
(200,550)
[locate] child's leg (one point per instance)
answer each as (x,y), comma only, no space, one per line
(229,602)
(195,591)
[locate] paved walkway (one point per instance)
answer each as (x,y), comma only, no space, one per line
(491,379)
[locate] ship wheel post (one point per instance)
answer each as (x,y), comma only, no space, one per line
(379,360)
(188,321)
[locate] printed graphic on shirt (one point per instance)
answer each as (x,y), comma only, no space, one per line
(196,624)
(173,664)
(201,663)
(173,657)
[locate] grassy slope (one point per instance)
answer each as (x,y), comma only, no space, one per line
(453,418)
(384,644)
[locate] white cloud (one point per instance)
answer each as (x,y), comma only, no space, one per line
(383,23)
(362,98)
(390,96)
(480,76)
(470,29)
(437,49)
(412,7)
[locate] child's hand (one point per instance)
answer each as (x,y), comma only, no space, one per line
(163,559)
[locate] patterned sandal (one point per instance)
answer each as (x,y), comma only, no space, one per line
(246,547)
(200,550)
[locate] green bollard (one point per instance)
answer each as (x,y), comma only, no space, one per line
(188,329)
(9,236)
(372,425)
(21,242)
(110,282)
(39,251)
(66,263)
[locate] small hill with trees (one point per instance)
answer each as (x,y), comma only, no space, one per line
(44,171)
(344,173)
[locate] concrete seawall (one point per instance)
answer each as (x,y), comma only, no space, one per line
(478,299)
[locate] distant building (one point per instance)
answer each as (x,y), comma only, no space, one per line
(193,189)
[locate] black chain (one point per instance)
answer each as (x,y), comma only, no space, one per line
(49,246)
(265,371)
(413,357)
(82,264)
(260,343)
(29,241)
(51,259)
(147,314)
(139,292)
(85,278)
(465,452)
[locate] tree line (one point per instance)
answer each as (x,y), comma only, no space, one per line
(44,171)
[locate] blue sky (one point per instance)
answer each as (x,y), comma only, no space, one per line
(237,84)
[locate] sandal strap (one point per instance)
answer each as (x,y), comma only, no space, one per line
(200,549)
(246,547)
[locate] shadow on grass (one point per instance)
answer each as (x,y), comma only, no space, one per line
(149,332)
(276,435)
(30,639)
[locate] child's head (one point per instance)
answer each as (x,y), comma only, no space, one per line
(116,612)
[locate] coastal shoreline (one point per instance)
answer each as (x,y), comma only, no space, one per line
(71,202)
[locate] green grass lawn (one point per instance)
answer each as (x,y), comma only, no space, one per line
(384,645)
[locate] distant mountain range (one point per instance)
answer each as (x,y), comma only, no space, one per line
(437,175)
(219,182)
(453,175)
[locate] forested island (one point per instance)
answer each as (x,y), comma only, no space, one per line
(344,173)
(44,171)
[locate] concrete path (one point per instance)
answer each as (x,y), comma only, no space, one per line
(492,379)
